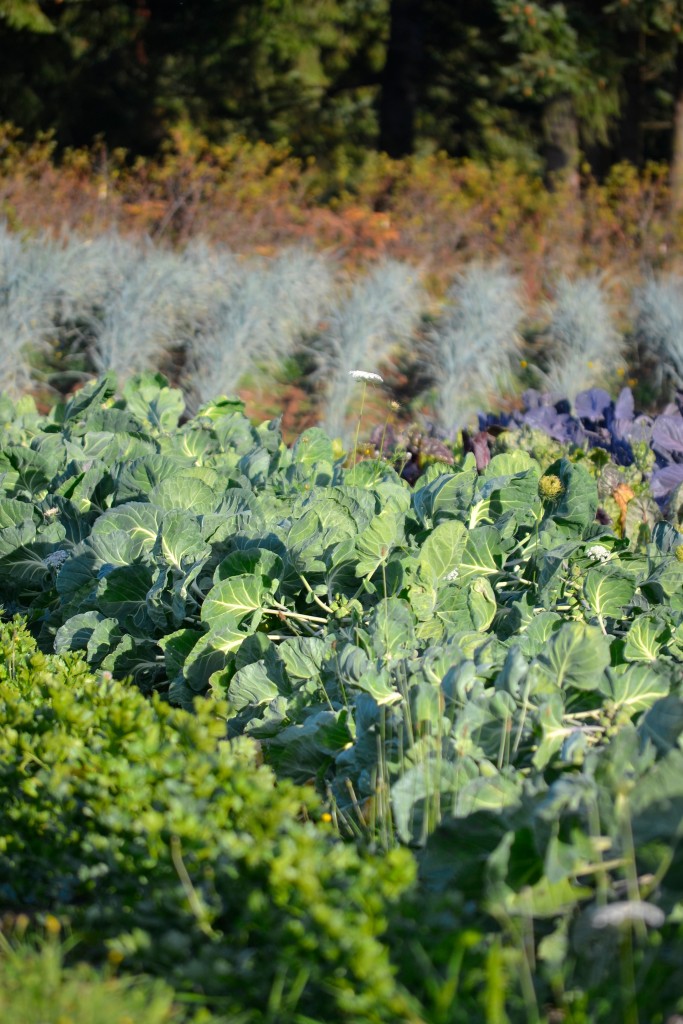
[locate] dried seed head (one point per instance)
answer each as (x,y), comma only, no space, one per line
(550,487)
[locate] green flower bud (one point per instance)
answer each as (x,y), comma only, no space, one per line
(679,552)
(550,487)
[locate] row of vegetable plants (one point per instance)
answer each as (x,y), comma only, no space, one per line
(478,670)
(214,320)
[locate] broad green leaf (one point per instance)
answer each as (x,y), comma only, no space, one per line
(509,464)
(233,598)
(89,397)
(663,723)
(550,719)
(180,541)
(448,497)
(76,632)
(312,447)
(546,899)
(518,495)
(185,491)
(113,547)
(251,562)
(209,654)
(487,794)
(425,793)
(656,802)
(303,750)
(534,638)
(645,638)
(106,637)
(30,472)
(374,544)
(176,647)
(13,512)
(665,583)
(122,594)
(340,576)
(135,657)
(481,603)
(138,520)
(23,553)
(576,655)
(442,550)
(252,686)
(302,656)
(392,627)
(149,397)
(377,683)
(483,554)
(607,592)
(357,671)
(13,538)
(140,476)
(637,688)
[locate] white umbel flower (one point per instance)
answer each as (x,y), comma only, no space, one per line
(365,375)
(598,553)
(627,912)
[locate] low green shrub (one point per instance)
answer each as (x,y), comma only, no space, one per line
(175,852)
(37,988)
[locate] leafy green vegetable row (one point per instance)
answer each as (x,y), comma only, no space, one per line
(417,652)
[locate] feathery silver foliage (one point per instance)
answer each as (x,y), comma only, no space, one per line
(585,347)
(265,311)
(380,311)
(658,326)
(474,349)
(26,307)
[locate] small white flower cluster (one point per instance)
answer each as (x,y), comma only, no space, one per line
(626,912)
(598,553)
(56,559)
(365,375)
(452,575)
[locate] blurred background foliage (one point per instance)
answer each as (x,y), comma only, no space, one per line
(539,82)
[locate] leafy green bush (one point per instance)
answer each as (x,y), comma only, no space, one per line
(37,988)
(162,844)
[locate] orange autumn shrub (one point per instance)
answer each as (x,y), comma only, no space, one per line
(432,210)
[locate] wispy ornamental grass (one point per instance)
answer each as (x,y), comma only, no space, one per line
(92,270)
(585,348)
(266,311)
(140,322)
(380,312)
(658,327)
(474,349)
(26,307)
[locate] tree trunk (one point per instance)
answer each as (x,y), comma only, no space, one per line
(630,135)
(560,147)
(677,140)
(398,97)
